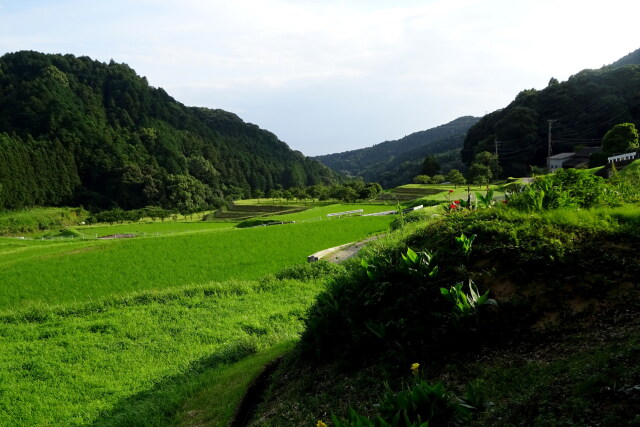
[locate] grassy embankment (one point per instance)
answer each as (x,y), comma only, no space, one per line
(30,221)
(560,348)
(123,331)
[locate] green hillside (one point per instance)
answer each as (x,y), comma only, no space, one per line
(393,163)
(581,110)
(78,131)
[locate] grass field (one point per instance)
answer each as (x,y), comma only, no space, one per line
(143,331)
(320,212)
(133,360)
(37,272)
(150,228)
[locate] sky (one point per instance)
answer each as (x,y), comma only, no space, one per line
(328,76)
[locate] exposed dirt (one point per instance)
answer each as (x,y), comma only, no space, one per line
(118,236)
(343,252)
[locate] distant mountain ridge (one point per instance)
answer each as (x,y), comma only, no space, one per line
(632,58)
(78,131)
(384,162)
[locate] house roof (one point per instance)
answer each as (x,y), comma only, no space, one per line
(588,151)
(562,156)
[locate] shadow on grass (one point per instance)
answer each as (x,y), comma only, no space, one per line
(159,404)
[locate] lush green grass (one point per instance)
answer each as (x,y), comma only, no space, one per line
(150,228)
(135,331)
(61,272)
(320,212)
(133,360)
(215,404)
(27,221)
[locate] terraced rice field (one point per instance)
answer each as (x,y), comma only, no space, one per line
(407,193)
(241,212)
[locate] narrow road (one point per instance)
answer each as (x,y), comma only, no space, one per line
(340,253)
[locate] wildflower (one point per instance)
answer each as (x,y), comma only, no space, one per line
(453,206)
(504,201)
(415,366)
(450,191)
(457,202)
(321,424)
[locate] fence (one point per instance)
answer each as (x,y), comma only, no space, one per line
(345,213)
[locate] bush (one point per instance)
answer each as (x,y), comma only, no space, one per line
(311,271)
(383,309)
(565,188)
(415,216)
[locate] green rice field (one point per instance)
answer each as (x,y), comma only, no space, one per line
(54,272)
(128,331)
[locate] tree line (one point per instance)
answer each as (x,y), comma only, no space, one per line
(349,192)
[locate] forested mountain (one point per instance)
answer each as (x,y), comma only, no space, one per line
(78,131)
(581,110)
(397,162)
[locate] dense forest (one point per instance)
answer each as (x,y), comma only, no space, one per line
(577,113)
(77,131)
(393,163)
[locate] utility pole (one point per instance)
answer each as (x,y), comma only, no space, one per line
(549,147)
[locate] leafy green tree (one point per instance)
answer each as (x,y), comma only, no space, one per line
(455,177)
(287,195)
(479,174)
(323,193)
(370,191)
(422,179)
(491,161)
(258,194)
(313,191)
(347,194)
(275,194)
(622,138)
(186,193)
(430,165)
(438,179)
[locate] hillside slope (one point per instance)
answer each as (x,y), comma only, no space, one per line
(579,112)
(560,348)
(75,130)
(394,163)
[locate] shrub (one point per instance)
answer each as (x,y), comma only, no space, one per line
(565,188)
(415,216)
(310,271)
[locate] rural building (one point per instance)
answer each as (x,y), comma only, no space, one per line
(581,158)
(555,162)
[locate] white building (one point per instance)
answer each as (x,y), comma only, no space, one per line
(555,162)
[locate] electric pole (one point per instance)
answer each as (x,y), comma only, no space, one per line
(549,147)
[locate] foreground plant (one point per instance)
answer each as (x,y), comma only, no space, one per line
(485,200)
(465,242)
(466,305)
(418,264)
(421,404)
